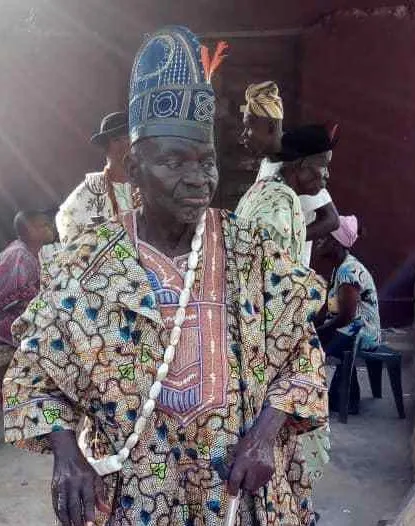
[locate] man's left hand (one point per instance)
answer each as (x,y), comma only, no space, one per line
(254,462)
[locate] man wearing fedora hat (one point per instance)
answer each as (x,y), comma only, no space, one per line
(104,194)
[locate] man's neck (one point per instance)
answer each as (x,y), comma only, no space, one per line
(115,171)
(165,234)
(273,157)
(32,247)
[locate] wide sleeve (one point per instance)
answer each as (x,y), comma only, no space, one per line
(297,383)
(74,213)
(66,224)
(349,274)
(39,395)
(277,216)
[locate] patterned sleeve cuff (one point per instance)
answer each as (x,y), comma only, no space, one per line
(305,404)
(28,424)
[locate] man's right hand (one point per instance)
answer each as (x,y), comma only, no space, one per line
(76,488)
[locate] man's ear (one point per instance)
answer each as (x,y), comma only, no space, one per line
(271,127)
(132,168)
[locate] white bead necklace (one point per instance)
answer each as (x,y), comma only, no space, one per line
(114,463)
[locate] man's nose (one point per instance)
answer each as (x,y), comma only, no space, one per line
(243,136)
(195,175)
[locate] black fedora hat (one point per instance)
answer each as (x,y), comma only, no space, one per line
(307,141)
(112,126)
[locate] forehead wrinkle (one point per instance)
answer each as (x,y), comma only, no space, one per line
(175,146)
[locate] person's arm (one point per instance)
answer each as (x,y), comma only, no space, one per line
(296,395)
(42,411)
(327,220)
(254,464)
(76,488)
(348,298)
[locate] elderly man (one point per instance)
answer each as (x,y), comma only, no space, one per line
(104,194)
(274,199)
(184,336)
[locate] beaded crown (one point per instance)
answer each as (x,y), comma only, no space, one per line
(170,90)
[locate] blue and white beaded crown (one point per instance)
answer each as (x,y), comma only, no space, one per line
(170,90)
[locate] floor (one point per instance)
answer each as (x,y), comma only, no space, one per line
(370,470)
(368,477)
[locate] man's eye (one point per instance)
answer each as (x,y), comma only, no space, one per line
(208,164)
(173,164)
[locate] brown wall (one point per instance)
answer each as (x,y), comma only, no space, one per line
(60,76)
(360,72)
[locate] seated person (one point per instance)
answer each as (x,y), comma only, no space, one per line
(352,309)
(19,268)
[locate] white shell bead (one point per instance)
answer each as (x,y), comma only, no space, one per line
(196,243)
(132,441)
(200,229)
(184,298)
(175,335)
(123,454)
(189,279)
(193,260)
(107,465)
(155,390)
(180,316)
(114,463)
(140,425)
(148,408)
(169,354)
(162,372)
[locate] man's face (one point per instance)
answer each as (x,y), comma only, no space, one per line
(261,136)
(41,230)
(118,148)
(326,248)
(177,177)
(310,179)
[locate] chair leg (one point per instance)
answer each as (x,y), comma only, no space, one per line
(374,370)
(395,377)
(345,380)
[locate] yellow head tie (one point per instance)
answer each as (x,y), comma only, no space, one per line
(263,100)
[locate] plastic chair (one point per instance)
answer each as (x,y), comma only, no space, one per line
(374,360)
(393,361)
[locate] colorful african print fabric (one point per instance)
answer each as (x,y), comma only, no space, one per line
(272,203)
(91,343)
(91,201)
(19,283)
(367,321)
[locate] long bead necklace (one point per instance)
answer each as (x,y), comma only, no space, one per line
(114,463)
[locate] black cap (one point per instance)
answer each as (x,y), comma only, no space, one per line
(305,141)
(112,126)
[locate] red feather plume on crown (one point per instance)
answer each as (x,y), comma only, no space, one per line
(210,66)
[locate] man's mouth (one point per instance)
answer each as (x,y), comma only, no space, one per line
(196,201)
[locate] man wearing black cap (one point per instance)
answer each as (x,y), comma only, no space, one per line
(295,165)
(102,194)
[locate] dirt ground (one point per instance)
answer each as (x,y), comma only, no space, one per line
(368,476)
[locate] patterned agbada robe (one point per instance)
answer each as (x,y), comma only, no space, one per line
(96,197)
(91,343)
(271,202)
